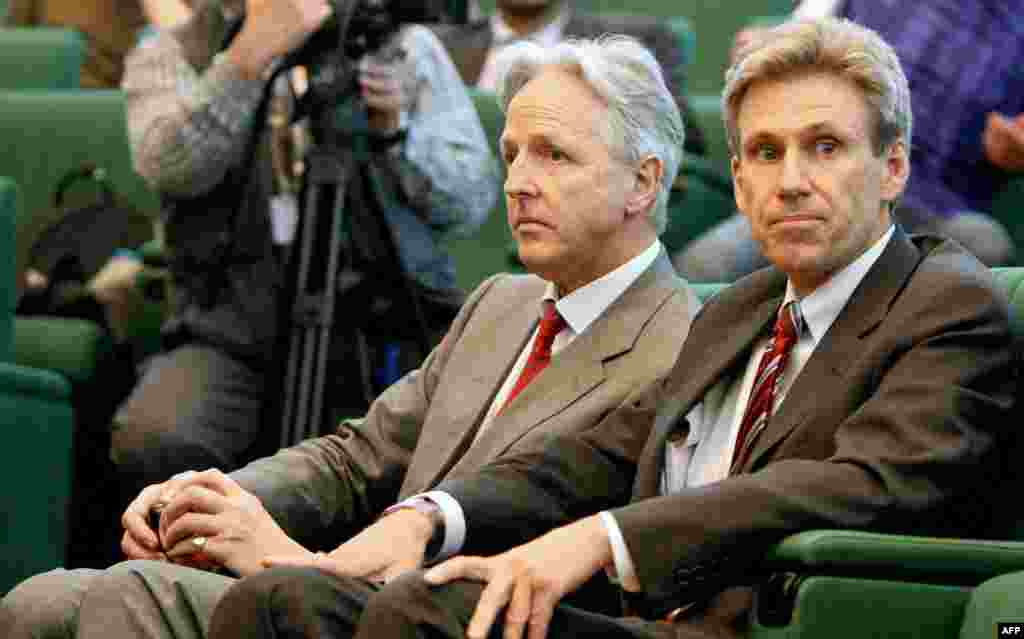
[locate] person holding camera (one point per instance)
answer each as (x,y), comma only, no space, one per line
(190,110)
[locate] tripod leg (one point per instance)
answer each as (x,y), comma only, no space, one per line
(330,293)
(297,343)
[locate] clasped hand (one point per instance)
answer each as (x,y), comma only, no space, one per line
(209,505)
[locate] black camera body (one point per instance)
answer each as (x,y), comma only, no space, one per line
(358,27)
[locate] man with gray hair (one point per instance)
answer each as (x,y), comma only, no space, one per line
(865,380)
(531,370)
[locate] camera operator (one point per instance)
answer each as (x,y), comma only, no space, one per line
(190,109)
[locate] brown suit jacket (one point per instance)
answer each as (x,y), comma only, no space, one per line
(894,425)
(468,46)
(420,430)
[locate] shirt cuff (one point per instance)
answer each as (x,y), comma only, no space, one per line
(625,573)
(454,523)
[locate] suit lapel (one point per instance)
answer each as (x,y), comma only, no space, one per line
(579,368)
(864,311)
(714,347)
(490,351)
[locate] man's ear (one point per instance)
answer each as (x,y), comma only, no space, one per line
(646,184)
(738,183)
(896,171)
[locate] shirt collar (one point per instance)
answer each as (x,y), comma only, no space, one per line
(584,305)
(548,35)
(823,305)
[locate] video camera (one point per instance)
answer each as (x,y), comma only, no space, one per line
(358,27)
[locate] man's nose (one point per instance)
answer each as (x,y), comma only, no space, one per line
(520,178)
(793,180)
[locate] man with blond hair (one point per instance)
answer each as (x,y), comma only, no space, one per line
(838,388)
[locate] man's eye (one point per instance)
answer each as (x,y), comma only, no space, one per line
(557,155)
(827,147)
(765,153)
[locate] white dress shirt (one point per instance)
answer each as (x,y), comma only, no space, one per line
(579,309)
(501,36)
(706,454)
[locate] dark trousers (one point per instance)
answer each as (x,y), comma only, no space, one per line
(289,603)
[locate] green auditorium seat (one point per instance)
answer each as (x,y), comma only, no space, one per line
(1000,599)
(36,416)
(484,253)
(837,584)
(43,136)
(40,57)
(1008,208)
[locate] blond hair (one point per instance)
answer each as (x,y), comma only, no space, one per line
(826,45)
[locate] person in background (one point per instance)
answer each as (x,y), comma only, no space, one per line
(474,47)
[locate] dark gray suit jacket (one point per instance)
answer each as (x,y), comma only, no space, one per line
(421,429)
(468,46)
(894,424)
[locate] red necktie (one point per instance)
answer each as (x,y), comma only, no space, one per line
(551,324)
(773,362)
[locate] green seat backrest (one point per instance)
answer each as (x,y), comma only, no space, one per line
(706,200)
(1008,208)
(707,109)
(45,134)
(8,215)
(40,58)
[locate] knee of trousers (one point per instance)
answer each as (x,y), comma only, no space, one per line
(410,601)
(45,605)
(289,597)
(149,455)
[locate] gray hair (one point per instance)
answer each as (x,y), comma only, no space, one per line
(643,118)
(829,45)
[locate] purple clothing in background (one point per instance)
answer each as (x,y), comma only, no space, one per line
(963,59)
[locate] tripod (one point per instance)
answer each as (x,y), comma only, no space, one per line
(337,167)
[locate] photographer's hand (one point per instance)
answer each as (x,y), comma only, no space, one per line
(272,28)
(384,86)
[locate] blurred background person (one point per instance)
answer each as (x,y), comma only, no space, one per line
(474,46)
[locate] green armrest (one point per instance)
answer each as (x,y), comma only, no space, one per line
(36,419)
(897,557)
(71,347)
(996,600)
